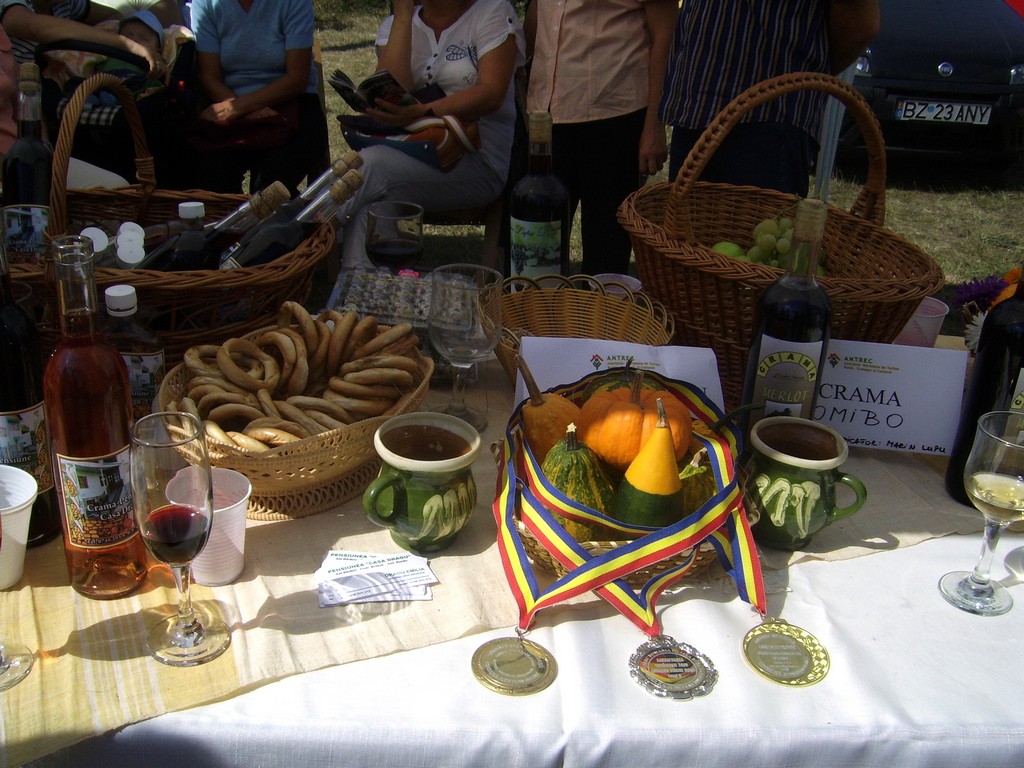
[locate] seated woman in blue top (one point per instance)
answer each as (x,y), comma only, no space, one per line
(254,56)
(470,49)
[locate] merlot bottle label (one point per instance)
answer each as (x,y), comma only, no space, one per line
(96,498)
(24,444)
(786,376)
(1017,401)
(536,247)
(24,233)
(145,372)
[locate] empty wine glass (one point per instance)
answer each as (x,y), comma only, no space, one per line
(173,493)
(994,480)
(394,234)
(464,326)
(17,491)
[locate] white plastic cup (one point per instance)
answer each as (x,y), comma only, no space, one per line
(612,282)
(223,558)
(18,491)
(922,330)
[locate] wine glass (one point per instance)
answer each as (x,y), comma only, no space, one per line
(994,480)
(173,493)
(464,326)
(17,490)
(394,234)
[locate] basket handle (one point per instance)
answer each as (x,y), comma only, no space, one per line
(870,201)
(144,169)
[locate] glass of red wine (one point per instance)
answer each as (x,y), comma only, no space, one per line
(173,493)
(394,235)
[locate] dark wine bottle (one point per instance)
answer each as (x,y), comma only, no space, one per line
(88,405)
(792,324)
(27,169)
(539,211)
(996,383)
(23,437)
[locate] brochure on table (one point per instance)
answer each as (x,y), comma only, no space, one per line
(883,396)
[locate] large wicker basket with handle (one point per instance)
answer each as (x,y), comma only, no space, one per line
(876,279)
(185,307)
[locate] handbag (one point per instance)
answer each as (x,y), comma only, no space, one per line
(438,141)
(247,133)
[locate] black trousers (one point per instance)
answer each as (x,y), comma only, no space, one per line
(599,164)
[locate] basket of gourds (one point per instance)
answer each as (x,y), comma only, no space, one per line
(619,461)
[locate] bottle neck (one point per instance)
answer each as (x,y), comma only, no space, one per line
(30,116)
(808,230)
(540,161)
(76,292)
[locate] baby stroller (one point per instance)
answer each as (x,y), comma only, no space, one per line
(103,136)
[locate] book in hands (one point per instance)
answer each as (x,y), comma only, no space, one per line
(379,85)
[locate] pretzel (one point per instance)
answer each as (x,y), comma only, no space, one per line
(297,382)
(216,381)
(343,325)
(326,421)
(293,310)
(202,360)
(234,413)
(271,435)
(380,361)
(283,424)
(214,432)
(361,406)
(318,363)
(226,361)
(285,347)
(383,340)
(347,388)
(210,401)
(293,413)
(243,440)
(333,410)
(267,403)
(395,376)
(364,330)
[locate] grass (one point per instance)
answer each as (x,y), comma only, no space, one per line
(956,212)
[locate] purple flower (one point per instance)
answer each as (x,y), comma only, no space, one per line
(982,292)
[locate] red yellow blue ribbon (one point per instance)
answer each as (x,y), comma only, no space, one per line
(523,493)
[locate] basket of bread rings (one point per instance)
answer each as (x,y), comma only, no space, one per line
(294,406)
(625,476)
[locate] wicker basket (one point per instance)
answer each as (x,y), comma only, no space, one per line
(311,475)
(876,278)
(579,307)
(185,307)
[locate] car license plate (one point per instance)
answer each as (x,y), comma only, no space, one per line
(943,111)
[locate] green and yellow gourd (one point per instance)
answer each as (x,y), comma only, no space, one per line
(575,470)
(651,492)
(698,482)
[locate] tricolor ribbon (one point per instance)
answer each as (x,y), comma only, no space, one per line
(524,493)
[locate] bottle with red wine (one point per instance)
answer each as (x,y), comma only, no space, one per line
(27,168)
(539,211)
(792,325)
(23,437)
(995,384)
(140,348)
(88,406)
(271,240)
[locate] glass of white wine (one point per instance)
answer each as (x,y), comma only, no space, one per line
(994,479)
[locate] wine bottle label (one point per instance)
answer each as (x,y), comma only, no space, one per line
(536,247)
(24,444)
(96,499)
(24,230)
(1017,401)
(786,376)
(145,372)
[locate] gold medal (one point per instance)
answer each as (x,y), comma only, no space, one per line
(785,654)
(514,666)
(671,669)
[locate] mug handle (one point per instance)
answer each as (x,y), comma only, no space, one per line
(387,479)
(858,488)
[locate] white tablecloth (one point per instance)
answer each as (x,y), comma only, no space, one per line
(913,682)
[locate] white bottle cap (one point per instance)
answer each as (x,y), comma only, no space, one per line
(131,226)
(191,210)
(121,299)
(129,237)
(99,238)
(130,253)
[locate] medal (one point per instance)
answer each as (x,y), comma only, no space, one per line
(674,670)
(785,654)
(514,666)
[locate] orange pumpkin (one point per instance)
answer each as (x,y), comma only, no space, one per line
(616,424)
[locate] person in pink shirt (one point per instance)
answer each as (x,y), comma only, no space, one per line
(598,68)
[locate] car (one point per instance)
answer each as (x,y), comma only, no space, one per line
(945,77)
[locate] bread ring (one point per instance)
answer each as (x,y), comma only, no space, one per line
(283,424)
(294,310)
(266,402)
(292,413)
(272,435)
(202,360)
(285,347)
(325,406)
(394,376)
(361,407)
(243,440)
(343,325)
(383,340)
(208,402)
(199,391)
(216,381)
(234,414)
(364,330)
(188,405)
(380,361)
(214,432)
(326,421)
(318,360)
(225,359)
(347,388)
(297,382)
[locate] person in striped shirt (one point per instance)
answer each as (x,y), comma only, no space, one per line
(722,47)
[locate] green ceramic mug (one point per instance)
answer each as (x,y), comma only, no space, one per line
(792,474)
(425,491)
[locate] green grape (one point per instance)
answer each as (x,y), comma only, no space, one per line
(785,223)
(768,226)
(766,242)
(782,246)
(755,253)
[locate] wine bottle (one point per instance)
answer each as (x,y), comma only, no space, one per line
(792,324)
(995,384)
(539,211)
(140,348)
(23,435)
(87,399)
(289,209)
(27,168)
(271,240)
